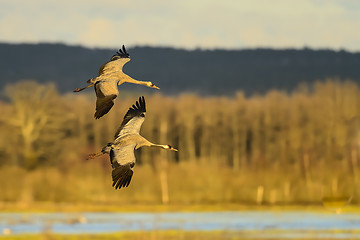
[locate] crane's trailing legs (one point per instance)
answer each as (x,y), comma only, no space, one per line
(90,81)
(80,89)
(94,155)
(105,149)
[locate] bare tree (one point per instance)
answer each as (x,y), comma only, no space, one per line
(33,109)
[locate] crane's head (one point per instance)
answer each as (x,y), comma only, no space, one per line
(168,147)
(150,84)
(121,54)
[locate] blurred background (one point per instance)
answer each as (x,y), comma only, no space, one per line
(261,99)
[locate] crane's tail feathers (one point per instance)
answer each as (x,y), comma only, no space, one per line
(121,176)
(94,155)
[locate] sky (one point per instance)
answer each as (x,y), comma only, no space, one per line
(189,24)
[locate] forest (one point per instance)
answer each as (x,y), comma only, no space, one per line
(204,72)
(278,148)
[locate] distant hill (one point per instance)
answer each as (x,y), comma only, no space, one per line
(207,72)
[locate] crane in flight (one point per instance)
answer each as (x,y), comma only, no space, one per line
(127,140)
(110,76)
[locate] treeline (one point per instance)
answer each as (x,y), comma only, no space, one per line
(177,71)
(277,148)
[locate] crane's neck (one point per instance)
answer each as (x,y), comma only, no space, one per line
(160,146)
(128,79)
(141,141)
(145,142)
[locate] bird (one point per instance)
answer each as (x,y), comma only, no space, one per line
(126,140)
(110,76)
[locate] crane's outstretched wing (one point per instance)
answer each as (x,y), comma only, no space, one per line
(133,119)
(116,62)
(123,162)
(106,92)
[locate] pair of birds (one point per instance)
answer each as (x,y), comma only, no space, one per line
(127,137)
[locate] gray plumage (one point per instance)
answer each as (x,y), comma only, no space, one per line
(106,92)
(127,139)
(110,76)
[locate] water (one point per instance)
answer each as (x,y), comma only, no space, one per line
(250,223)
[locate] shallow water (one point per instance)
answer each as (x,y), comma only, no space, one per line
(250,223)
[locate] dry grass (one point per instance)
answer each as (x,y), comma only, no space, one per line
(191,183)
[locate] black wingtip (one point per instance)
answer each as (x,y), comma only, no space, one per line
(142,103)
(98,115)
(136,110)
(120,54)
(104,108)
(123,48)
(121,176)
(139,105)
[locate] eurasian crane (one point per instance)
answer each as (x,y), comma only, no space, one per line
(111,75)
(127,140)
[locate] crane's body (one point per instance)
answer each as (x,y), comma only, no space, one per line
(127,139)
(110,76)
(135,140)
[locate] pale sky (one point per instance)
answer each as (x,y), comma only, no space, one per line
(206,24)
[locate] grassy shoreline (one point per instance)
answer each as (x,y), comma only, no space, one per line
(180,234)
(71,207)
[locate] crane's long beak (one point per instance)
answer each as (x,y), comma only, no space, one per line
(155,87)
